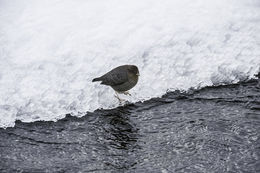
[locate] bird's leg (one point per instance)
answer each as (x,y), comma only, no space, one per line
(126,93)
(117,96)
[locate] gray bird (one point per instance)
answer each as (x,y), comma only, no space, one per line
(121,79)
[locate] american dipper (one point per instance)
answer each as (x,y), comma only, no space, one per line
(121,79)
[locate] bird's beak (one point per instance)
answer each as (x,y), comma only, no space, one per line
(137,74)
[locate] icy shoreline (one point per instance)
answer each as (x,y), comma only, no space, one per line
(51,50)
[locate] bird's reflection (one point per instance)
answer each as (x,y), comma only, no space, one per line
(120,138)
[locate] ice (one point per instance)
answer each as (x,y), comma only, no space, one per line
(51,50)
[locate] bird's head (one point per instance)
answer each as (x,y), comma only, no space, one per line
(133,70)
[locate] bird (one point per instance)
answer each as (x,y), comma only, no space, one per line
(121,79)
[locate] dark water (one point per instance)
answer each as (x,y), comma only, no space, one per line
(215,129)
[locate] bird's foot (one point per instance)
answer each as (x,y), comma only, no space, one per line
(119,99)
(126,93)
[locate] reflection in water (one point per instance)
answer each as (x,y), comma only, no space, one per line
(121,136)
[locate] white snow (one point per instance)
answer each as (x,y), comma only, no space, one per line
(50,50)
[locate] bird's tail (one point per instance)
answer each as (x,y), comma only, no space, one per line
(96,79)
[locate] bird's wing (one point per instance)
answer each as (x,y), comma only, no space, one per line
(116,76)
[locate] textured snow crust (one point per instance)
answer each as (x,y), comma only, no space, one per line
(50,50)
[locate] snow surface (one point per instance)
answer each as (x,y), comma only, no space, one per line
(50,50)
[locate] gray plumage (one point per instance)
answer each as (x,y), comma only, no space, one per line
(121,78)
